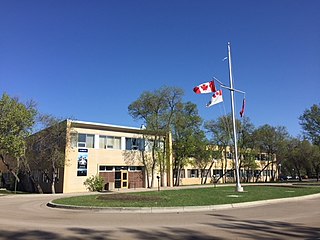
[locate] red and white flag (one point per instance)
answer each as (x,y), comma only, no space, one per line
(216,98)
(207,87)
(243,107)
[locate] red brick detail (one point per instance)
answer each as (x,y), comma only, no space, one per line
(136,180)
(107,176)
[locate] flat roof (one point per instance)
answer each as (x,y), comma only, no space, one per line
(111,127)
(103,126)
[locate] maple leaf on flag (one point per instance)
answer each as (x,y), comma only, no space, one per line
(207,87)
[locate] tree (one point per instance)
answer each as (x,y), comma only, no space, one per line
(247,156)
(156,110)
(310,122)
(315,160)
(188,139)
(16,122)
(46,148)
(298,157)
(270,140)
(206,156)
(221,131)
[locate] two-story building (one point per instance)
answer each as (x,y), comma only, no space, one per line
(110,151)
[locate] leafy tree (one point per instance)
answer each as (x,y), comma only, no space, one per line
(156,110)
(315,160)
(188,139)
(298,157)
(205,158)
(247,156)
(270,140)
(46,148)
(16,122)
(221,131)
(310,122)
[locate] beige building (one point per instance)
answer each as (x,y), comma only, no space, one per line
(110,151)
(116,154)
(221,171)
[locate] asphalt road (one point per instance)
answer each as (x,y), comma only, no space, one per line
(28,217)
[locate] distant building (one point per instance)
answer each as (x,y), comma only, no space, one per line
(222,170)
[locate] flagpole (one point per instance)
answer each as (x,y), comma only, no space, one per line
(238,185)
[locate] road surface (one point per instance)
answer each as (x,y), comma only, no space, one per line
(28,217)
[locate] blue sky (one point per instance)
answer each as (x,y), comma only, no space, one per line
(90,59)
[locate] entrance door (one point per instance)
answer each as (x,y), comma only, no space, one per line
(124,179)
(121,179)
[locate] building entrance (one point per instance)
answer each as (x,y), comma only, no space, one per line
(121,179)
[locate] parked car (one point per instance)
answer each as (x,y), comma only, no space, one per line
(285,178)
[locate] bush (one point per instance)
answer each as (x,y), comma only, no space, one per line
(94,183)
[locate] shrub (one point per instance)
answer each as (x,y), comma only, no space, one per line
(94,183)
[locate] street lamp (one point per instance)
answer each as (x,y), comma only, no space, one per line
(158,177)
(215,172)
(279,174)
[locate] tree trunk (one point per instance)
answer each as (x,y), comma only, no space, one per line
(9,168)
(36,185)
(257,178)
(209,170)
(272,170)
(178,171)
(145,168)
(53,189)
(224,165)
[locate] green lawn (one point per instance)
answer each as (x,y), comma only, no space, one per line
(6,192)
(187,197)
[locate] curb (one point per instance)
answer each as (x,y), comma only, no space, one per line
(182,209)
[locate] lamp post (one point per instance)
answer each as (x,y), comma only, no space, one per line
(158,177)
(279,175)
(215,173)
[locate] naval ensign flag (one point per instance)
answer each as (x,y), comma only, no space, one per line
(216,98)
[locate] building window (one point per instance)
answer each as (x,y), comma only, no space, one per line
(103,168)
(193,173)
(74,140)
(106,142)
(135,144)
(85,140)
(229,155)
(135,168)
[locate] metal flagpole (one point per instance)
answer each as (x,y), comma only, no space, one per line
(238,185)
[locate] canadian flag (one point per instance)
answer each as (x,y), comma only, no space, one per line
(216,98)
(207,87)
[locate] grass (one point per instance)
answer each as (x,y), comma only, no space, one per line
(187,197)
(6,192)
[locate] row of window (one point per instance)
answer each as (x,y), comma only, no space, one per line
(262,157)
(82,140)
(196,173)
(104,168)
